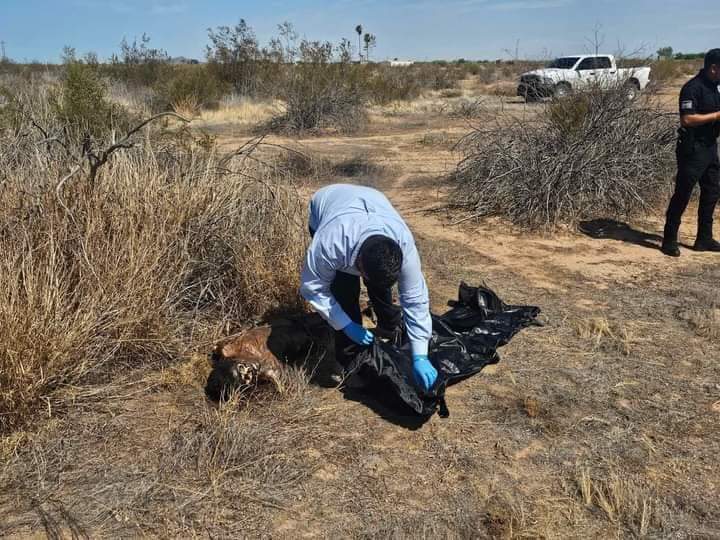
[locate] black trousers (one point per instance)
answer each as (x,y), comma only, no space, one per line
(346,290)
(697,164)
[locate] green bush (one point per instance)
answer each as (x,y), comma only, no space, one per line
(387,84)
(321,94)
(189,85)
(81,102)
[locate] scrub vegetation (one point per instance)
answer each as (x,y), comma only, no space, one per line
(149,209)
(592,155)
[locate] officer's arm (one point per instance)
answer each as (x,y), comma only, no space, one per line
(690,97)
(415,301)
(317,275)
(695,120)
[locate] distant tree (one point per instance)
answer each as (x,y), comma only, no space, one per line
(359,30)
(289,39)
(665,52)
(68,55)
(345,51)
(689,56)
(233,55)
(140,53)
(370,42)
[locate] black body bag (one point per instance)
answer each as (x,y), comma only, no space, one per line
(465,340)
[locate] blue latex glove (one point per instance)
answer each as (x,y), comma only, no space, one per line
(425,373)
(359,334)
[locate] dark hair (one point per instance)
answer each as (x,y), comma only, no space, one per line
(381,259)
(222,381)
(712,57)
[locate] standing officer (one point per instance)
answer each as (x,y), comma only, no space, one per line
(697,157)
(357,233)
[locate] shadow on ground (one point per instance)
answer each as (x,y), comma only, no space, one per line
(385,403)
(610,229)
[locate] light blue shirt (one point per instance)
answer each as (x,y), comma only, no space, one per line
(343,216)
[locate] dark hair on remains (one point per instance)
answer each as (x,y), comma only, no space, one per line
(712,57)
(381,259)
(222,381)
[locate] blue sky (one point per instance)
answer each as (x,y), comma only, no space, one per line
(422,29)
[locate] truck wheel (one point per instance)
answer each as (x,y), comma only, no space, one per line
(632,90)
(562,90)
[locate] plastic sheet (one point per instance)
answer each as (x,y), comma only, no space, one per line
(465,340)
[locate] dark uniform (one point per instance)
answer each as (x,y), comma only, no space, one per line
(697,160)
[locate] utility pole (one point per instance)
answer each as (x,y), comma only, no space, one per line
(2,51)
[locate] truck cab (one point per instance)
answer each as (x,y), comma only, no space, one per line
(575,73)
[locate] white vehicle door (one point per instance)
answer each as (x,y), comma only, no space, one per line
(587,74)
(605,74)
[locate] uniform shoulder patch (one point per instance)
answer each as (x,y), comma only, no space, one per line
(686,105)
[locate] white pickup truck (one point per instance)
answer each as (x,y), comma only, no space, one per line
(568,73)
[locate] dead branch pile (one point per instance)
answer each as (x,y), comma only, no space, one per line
(592,155)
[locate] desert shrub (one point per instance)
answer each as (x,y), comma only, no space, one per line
(80,101)
(665,70)
(189,87)
(138,64)
(10,110)
(468,109)
(438,76)
(387,84)
(450,93)
(152,259)
(234,56)
(321,94)
(592,155)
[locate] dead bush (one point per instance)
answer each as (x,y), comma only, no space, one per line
(593,155)
(468,109)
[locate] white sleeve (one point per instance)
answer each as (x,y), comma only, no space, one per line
(415,301)
(317,275)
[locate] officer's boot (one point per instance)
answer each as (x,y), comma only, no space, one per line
(670,243)
(704,240)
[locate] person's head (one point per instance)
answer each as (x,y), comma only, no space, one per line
(712,65)
(380,261)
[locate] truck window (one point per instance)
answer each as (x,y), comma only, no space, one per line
(603,62)
(587,64)
(563,63)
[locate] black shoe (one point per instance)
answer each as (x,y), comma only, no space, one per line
(671,249)
(707,245)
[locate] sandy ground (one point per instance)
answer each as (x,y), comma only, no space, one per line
(601,424)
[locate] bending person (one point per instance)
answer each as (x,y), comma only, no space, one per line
(357,233)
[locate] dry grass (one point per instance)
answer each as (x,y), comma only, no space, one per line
(624,500)
(168,245)
(705,321)
(180,470)
(242,111)
(605,334)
